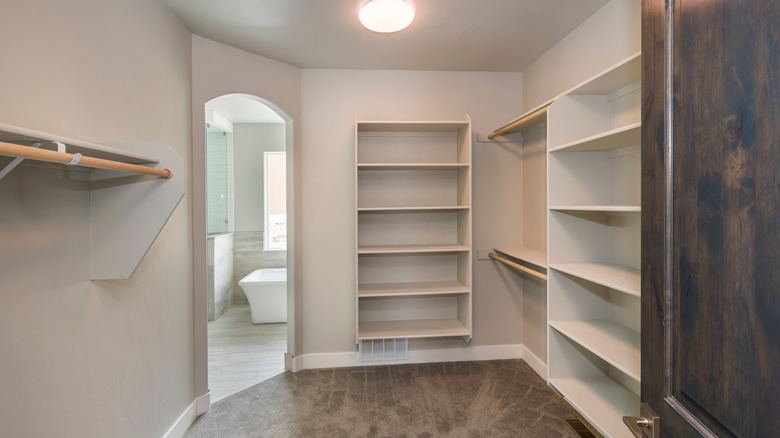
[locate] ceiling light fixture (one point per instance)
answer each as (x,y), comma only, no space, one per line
(386,16)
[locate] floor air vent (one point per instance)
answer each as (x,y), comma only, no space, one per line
(372,350)
(580,428)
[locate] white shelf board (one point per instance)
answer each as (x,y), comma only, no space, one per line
(532,256)
(621,278)
(411,289)
(620,75)
(417,328)
(599,208)
(424,209)
(606,141)
(412,126)
(616,344)
(408,249)
(26,137)
(602,401)
(412,166)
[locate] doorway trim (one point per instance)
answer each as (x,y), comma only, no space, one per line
(199,247)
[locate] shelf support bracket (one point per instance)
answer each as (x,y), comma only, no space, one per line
(16,161)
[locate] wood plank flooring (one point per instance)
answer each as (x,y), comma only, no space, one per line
(242,354)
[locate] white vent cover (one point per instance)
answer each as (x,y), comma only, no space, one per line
(372,350)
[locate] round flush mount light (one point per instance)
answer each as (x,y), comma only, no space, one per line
(386,16)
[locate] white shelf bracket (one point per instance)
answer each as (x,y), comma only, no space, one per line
(16,161)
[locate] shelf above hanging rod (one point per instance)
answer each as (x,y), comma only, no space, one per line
(26,152)
(536,116)
(518,266)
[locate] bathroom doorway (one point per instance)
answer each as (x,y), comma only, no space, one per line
(246,237)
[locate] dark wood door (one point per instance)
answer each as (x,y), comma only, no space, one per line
(711,216)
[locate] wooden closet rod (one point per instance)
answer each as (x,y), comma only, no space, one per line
(518,266)
(519,124)
(14,150)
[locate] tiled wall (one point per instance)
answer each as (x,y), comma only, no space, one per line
(220,274)
(219,181)
(248,255)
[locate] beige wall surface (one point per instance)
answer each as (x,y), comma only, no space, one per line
(610,35)
(81,358)
(331,101)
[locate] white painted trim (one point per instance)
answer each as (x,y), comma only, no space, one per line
(465,354)
(534,362)
(203,404)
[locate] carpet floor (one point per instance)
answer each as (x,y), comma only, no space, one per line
(504,398)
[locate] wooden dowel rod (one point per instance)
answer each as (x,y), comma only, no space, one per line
(14,150)
(514,126)
(517,266)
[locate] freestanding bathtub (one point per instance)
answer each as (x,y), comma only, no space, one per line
(266,291)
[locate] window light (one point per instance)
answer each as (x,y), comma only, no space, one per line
(386,16)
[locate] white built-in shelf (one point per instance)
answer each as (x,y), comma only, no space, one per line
(26,137)
(410,249)
(412,126)
(616,344)
(416,328)
(601,400)
(606,141)
(424,209)
(413,229)
(599,208)
(532,117)
(528,255)
(621,278)
(620,75)
(412,166)
(411,289)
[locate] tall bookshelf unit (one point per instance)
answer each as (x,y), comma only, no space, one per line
(413,224)
(593,156)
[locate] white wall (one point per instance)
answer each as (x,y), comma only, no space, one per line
(81,358)
(610,35)
(250,141)
(331,101)
(218,69)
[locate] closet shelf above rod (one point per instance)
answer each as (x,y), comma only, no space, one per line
(14,150)
(518,266)
(535,116)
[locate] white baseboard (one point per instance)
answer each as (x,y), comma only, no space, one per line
(189,415)
(534,362)
(352,359)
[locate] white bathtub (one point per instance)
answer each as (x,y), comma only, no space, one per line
(266,291)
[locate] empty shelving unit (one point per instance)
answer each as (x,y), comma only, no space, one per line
(594,246)
(591,142)
(413,222)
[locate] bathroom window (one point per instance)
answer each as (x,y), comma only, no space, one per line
(275,235)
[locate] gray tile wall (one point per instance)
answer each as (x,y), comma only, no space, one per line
(220,274)
(248,255)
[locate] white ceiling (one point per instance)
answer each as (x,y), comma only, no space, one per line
(243,108)
(452,35)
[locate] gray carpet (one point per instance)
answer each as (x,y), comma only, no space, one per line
(464,399)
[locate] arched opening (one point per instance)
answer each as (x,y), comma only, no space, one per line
(246,296)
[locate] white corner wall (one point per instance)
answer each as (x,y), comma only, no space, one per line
(610,35)
(81,358)
(331,101)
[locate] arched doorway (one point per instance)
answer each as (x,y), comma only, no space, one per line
(238,221)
